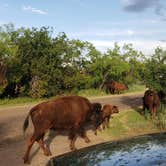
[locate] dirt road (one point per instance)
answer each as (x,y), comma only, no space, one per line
(12,141)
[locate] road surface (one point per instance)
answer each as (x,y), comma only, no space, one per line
(13,142)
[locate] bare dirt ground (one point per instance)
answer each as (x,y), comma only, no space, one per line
(12,141)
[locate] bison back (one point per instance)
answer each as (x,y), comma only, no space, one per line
(62,113)
(151,98)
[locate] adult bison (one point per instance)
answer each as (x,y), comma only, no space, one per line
(115,87)
(151,101)
(69,113)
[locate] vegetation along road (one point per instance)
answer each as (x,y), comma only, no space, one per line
(12,141)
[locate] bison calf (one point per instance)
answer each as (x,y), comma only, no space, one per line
(65,113)
(151,101)
(107,111)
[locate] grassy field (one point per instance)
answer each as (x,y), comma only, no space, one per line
(129,123)
(86,93)
(18,101)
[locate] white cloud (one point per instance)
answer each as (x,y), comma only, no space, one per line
(103,33)
(146,46)
(128,22)
(130,32)
(34,10)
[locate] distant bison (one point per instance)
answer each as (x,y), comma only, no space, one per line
(69,113)
(115,87)
(151,101)
(107,111)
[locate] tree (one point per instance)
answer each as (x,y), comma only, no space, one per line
(155,72)
(7,54)
(107,67)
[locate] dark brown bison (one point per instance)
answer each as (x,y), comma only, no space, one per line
(151,101)
(115,87)
(107,111)
(69,113)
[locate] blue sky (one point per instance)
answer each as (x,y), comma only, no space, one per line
(102,22)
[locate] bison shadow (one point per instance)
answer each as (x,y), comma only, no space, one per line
(51,134)
(133,102)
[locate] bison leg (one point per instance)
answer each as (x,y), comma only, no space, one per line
(72,137)
(29,146)
(43,147)
(82,133)
(154,111)
(144,107)
(98,128)
(108,120)
(104,124)
(151,111)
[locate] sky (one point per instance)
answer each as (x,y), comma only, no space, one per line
(101,22)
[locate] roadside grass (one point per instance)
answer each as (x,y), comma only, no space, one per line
(86,93)
(91,93)
(129,123)
(136,88)
(160,119)
(19,101)
(96,92)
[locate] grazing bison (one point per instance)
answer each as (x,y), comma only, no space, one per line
(65,113)
(151,101)
(107,111)
(115,87)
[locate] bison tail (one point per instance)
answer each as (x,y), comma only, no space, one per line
(26,123)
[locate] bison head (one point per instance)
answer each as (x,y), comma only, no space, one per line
(96,115)
(115,109)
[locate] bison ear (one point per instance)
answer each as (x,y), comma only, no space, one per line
(97,107)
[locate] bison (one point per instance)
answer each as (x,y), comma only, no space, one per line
(151,101)
(69,113)
(115,87)
(107,111)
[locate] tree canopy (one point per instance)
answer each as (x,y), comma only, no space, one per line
(36,63)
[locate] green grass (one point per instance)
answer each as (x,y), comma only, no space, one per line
(91,93)
(97,92)
(19,101)
(129,123)
(160,120)
(136,88)
(85,93)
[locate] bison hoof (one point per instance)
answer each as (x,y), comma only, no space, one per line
(87,140)
(26,161)
(47,153)
(73,148)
